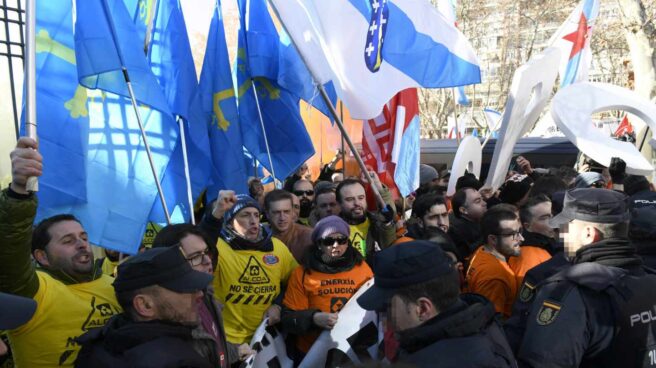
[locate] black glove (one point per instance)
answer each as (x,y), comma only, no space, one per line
(617,170)
(388,213)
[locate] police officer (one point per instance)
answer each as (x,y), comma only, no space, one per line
(418,286)
(598,312)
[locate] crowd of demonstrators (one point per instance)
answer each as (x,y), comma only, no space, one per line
(550,270)
(330,273)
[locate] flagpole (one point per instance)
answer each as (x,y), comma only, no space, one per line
(266,140)
(346,137)
(32,184)
(128,83)
(341,115)
(333,112)
(455,114)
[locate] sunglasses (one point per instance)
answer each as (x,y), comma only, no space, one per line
(329,242)
(306,192)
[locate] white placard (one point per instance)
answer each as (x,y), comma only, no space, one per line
(353,340)
(269,344)
(469,157)
(572,110)
(530,91)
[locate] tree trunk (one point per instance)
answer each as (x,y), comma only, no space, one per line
(639,32)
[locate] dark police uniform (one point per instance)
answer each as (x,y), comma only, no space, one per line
(516,324)
(592,315)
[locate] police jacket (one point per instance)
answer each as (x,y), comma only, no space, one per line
(597,313)
(124,343)
(516,324)
(465,335)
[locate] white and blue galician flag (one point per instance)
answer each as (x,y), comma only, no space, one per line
(573,39)
(372,49)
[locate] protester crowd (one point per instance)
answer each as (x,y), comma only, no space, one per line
(554,269)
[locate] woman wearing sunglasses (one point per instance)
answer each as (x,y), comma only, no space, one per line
(331,272)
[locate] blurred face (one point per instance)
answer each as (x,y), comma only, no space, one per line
(402,315)
(540,216)
(327,205)
(197,253)
(475,206)
(281,215)
(353,202)
(178,307)
(256,188)
(69,249)
(577,234)
(247,223)
(333,246)
(437,216)
(509,238)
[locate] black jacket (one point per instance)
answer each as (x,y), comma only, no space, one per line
(124,343)
(466,235)
(541,241)
(465,335)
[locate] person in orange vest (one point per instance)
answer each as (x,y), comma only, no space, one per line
(539,243)
(489,273)
(331,272)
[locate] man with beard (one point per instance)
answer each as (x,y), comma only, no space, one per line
(304,190)
(279,211)
(428,212)
(488,273)
(160,327)
(539,243)
(370,231)
(72,293)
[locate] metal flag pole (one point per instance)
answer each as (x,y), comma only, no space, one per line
(341,116)
(32,184)
(333,112)
(346,137)
(266,140)
(179,120)
(455,115)
(126,76)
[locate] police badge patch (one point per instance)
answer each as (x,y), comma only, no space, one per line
(548,313)
(526,292)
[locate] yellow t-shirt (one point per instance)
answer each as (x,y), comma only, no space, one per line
(246,283)
(63,313)
(359,236)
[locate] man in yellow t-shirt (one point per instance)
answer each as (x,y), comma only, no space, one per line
(72,294)
(253,267)
(370,231)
